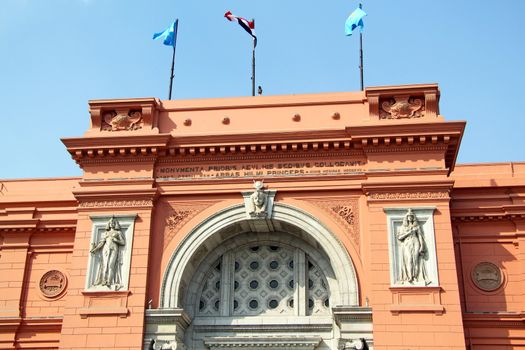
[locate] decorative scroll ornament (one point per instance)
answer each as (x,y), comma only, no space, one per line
(408,195)
(487,276)
(122,120)
(357,344)
(345,212)
(401,107)
(53,283)
(109,248)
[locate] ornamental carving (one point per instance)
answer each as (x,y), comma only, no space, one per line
(179,217)
(401,107)
(122,120)
(345,212)
(108,250)
(487,276)
(258,200)
(408,195)
(116,204)
(53,283)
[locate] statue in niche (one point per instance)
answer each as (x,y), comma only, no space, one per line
(258,199)
(110,258)
(413,250)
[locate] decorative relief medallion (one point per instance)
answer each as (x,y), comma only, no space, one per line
(487,276)
(122,120)
(401,107)
(408,195)
(53,283)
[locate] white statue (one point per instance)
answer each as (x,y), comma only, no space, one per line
(258,199)
(110,246)
(413,250)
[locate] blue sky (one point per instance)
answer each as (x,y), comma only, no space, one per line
(58,54)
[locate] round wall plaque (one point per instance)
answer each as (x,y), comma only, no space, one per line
(53,283)
(487,276)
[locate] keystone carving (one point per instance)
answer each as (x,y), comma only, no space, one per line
(118,120)
(401,107)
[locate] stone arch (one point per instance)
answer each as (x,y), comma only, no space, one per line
(202,239)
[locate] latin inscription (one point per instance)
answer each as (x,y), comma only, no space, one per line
(260,170)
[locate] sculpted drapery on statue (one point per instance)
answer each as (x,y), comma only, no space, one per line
(413,250)
(109,248)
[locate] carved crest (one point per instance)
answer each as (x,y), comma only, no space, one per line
(52,283)
(487,276)
(122,120)
(401,107)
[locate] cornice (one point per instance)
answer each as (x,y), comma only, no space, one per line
(494,213)
(494,319)
(134,198)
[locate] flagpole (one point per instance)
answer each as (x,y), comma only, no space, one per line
(253,63)
(173,58)
(361,68)
(253,69)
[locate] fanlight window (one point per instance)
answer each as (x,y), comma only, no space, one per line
(264,280)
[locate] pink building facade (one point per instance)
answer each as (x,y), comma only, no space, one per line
(305,221)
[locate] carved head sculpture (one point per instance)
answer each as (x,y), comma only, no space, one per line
(410,218)
(258,185)
(113,224)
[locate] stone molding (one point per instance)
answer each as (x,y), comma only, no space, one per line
(258,342)
(344,314)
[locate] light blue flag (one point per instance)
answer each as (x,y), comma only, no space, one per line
(354,20)
(169,35)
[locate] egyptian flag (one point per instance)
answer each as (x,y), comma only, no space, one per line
(248,26)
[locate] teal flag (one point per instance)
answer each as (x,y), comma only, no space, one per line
(354,20)
(169,35)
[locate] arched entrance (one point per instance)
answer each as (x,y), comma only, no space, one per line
(280,282)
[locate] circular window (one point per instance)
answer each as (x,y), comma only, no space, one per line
(254,249)
(290,264)
(326,302)
(254,265)
(202,305)
(237,266)
(273,284)
(274,248)
(254,284)
(216,304)
(235,285)
(310,284)
(218,285)
(235,304)
(253,304)
(274,264)
(273,303)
